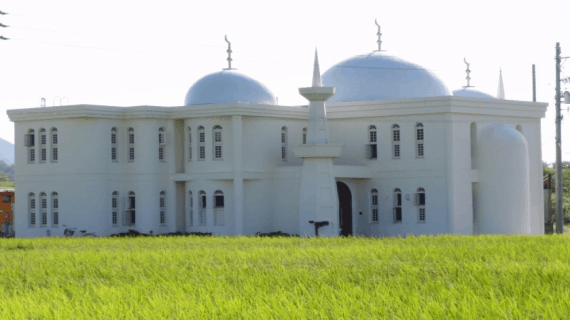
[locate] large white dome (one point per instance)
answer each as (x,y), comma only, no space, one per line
(228,86)
(379,76)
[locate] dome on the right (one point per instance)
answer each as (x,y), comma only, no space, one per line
(471,93)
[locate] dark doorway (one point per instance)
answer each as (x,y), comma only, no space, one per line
(344,208)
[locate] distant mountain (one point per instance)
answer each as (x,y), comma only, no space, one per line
(6,152)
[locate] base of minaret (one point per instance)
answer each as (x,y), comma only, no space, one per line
(318,198)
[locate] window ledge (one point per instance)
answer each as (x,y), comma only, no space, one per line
(396,222)
(374,222)
(423,222)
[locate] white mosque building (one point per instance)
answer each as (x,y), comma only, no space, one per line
(393,152)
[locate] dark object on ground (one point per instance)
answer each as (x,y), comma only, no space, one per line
(135,233)
(276,234)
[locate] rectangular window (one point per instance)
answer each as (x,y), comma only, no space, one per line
(283,153)
(397,214)
(420,134)
(219,217)
(420,149)
(422,214)
(44,218)
(202,152)
(202,137)
(203,202)
(375,200)
(55,218)
(54,138)
(44,155)
(44,203)
(113,138)
(115,220)
(372,151)
(189,153)
(304,138)
(55,204)
(114,202)
(219,201)
(131,138)
(162,202)
(282,137)
(422,199)
(131,202)
(375,215)
(396,151)
(29,140)
(372,136)
(131,154)
(114,154)
(218,152)
(161,153)
(161,138)
(32,218)
(217,137)
(399,200)
(43,139)
(32,203)
(32,155)
(133,216)
(162,217)
(396,135)
(54,154)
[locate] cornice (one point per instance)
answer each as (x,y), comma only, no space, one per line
(337,110)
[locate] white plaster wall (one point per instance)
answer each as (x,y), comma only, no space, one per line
(209,164)
(210,186)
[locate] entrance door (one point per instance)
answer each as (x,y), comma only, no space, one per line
(344,208)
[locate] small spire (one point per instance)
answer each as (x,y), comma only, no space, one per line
(229,51)
(317,82)
(379,34)
(467,71)
(501,90)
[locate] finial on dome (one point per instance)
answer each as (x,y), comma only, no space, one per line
(501,90)
(317,82)
(379,35)
(229,51)
(467,71)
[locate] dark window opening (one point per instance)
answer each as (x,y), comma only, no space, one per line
(422,199)
(219,201)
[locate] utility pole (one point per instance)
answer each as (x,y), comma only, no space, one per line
(559,185)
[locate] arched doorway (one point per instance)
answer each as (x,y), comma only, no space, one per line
(344,208)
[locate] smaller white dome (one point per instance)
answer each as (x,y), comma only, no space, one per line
(228,86)
(471,93)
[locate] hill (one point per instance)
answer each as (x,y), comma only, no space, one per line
(6,152)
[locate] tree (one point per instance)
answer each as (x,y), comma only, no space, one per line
(3,177)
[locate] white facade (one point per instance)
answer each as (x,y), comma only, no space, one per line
(442,178)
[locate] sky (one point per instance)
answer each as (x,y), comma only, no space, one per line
(129,53)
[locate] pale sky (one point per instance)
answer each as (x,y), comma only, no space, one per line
(128,53)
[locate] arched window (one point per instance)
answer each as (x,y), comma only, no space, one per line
(32,209)
(131,144)
(54,209)
(420,201)
(130,213)
(43,199)
(397,206)
(304,135)
(473,139)
(218,208)
(190,209)
(115,208)
(419,140)
(114,145)
(54,153)
(284,143)
(396,141)
(374,204)
(29,142)
(201,143)
(161,144)
(189,144)
(163,207)
(217,132)
(519,128)
(202,208)
(43,145)
(371,147)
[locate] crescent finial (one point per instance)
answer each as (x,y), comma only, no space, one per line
(376,22)
(467,63)
(226,37)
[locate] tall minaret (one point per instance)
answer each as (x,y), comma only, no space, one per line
(318,198)
(501,90)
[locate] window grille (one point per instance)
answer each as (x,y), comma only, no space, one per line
(32,155)
(396,141)
(162,207)
(32,209)
(371,151)
(44,154)
(419,140)
(115,208)
(190,209)
(130,212)
(284,144)
(43,142)
(55,209)
(161,154)
(131,149)
(29,142)
(202,212)
(113,138)
(304,135)
(54,154)
(217,142)
(114,144)
(43,208)
(131,154)
(420,201)
(55,218)
(201,143)
(161,136)
(218,208)
(114,154)
(189,144)
(374,205)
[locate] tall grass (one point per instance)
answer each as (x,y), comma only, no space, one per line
(444,277)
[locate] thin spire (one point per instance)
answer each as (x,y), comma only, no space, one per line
(467,71)
(501,90)
(229,51)
(379,34)
(317,82)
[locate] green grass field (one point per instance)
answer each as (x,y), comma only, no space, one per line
(444,277)
(7,184)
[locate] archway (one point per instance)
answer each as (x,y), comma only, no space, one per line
(344,208)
